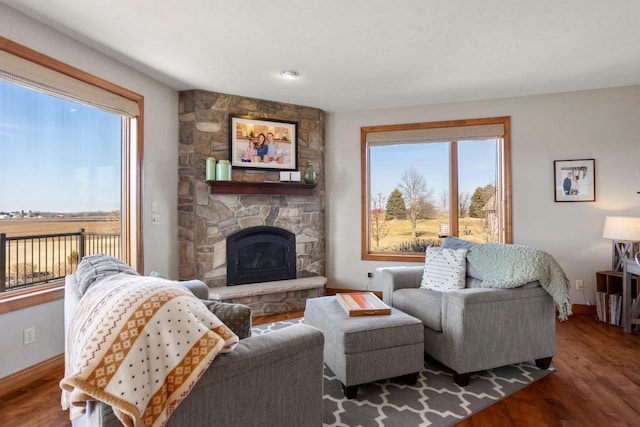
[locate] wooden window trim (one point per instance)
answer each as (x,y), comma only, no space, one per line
(29,297)
(133,252)
(504,181)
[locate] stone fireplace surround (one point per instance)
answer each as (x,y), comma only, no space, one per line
(205,220)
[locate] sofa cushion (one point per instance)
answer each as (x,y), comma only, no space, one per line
(456,243)
(444,269)
(423,304)
(95,267)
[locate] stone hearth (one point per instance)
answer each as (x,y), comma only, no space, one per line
(272,297)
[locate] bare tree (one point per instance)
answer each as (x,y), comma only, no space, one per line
(417,196)
(114,218)
(444,200)
(378,225)
(463,204)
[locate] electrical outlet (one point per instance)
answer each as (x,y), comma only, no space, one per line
(369,275)
(579,285)
(29,335)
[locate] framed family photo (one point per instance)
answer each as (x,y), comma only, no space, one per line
(575,180)
(263,144)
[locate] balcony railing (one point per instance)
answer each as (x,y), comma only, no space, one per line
(32,260)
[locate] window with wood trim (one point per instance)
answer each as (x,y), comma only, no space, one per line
(424,181)
(72,149)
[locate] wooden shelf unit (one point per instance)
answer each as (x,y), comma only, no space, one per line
(241,187)
(630,293)
(609,284)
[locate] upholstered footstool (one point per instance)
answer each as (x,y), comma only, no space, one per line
(363,349)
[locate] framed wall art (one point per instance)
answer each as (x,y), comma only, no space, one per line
(574,180)
(263,143)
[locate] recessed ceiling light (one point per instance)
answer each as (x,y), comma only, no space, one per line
(289,75)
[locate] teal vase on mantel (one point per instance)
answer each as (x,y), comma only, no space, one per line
(309,173)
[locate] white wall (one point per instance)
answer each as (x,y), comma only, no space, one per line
(160,181)
(599,124)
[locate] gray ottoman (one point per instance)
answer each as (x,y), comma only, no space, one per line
(367,348)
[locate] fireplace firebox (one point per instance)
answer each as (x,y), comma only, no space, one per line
(260,254)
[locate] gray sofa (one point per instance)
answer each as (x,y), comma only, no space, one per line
(474,329)
(273,379)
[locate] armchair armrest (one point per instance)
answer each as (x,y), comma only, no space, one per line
(486,327)
(394,278)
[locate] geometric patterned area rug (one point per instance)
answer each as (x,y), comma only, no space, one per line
(435,400)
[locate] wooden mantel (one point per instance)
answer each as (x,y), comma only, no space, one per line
(242,187)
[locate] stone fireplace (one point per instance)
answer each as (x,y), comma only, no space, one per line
(206,220)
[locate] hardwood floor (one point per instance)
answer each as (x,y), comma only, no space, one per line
(596,383)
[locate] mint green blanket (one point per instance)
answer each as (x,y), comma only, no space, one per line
(509,266)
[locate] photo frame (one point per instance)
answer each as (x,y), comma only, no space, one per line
(256,143)
(574,180)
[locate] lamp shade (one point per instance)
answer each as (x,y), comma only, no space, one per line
(622,228)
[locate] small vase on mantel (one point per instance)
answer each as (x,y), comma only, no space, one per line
(211,169)
(309,173)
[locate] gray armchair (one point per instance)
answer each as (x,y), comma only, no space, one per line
(474,329)
(271,379)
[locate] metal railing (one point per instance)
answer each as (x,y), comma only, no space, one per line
(32,260)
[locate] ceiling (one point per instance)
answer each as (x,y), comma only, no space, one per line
(362,54)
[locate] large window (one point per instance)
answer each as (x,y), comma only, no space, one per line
(70,174)
(425,181)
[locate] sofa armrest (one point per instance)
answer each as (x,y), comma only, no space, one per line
(278,375)
(255,352)
(275,379)
(394,278)
(197,287)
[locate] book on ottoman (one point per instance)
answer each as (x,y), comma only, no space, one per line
(362,304)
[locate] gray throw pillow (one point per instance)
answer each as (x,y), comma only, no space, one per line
(95,267)
(236,317)
(452,242)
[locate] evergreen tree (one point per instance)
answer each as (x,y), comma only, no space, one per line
(479,199)
(395,206)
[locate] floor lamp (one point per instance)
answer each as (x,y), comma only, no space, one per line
(624,231)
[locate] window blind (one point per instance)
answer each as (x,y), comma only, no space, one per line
(26,73)
(450,133)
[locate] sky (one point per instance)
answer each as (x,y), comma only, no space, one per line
(476,166)
(57,155)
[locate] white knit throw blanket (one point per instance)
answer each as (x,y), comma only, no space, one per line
(139,344)
(510,266)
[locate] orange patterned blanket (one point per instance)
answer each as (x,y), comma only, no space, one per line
(139,344)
